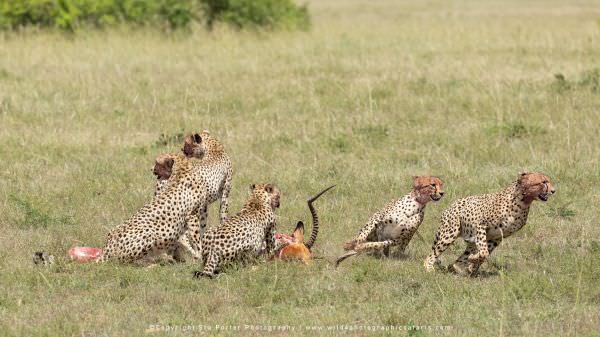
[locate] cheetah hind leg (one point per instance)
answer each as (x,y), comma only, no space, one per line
(444,237)
(151,261)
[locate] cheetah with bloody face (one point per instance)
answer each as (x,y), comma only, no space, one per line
(156,228)
(398,221)
(483,221)
(249,233)
(214,169)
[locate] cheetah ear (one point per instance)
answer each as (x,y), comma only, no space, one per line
(269,188)
(415,179)
(188,146)
(522,175)
(197,138)
(163,167)
(252,186)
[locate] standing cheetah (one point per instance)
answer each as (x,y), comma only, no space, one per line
(248,233)
(398,221)
(214,169)
(483,221)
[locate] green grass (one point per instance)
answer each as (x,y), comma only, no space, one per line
(376,92)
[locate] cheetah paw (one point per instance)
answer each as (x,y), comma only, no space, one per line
(350,245)
(200,274)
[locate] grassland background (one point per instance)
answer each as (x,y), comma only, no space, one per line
(376,92)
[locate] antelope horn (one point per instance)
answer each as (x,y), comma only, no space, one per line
(315,218)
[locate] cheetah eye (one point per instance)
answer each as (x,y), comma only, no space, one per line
(432,185)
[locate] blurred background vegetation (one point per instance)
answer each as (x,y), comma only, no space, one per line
(73,15)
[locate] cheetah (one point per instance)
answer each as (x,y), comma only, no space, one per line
(190,241)
(163,164)
(483,221)
(249,233)
(157,227)
(215,169)
(397,222)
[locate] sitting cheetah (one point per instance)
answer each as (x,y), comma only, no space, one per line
(483,221)
(190,241)
(398,221)
(163,165)
(156,228)
(248,233)
(214,168)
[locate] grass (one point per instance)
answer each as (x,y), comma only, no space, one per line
(376,92)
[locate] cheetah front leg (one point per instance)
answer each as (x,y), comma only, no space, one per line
(365,233)
(202,221)
(482,252)
(211,265)
(225,198)
(444,237)
(462,263)
(491,245)
(189,241)
(271,245)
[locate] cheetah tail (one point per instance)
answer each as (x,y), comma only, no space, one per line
(315,218)
(345,256)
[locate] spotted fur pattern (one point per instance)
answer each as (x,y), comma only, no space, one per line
(483,221)
(157,227)
(398,221)
(215,170)
(249,233)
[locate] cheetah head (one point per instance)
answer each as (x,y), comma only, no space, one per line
(163,166)
(427,188)
(268,193)
(535,185)
(193,146)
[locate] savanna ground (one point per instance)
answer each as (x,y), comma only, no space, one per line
(376,92)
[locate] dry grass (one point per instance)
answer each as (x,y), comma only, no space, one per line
(375,93)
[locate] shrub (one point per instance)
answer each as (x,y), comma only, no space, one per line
(72,14)
(270,14)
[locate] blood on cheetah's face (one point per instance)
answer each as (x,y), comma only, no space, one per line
(193,146)
(269,192)
(536,185)
(428,188)
(163,166)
